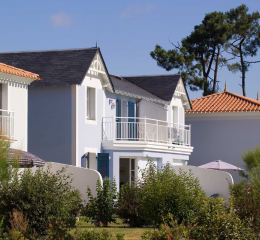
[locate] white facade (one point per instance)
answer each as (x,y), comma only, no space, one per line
(14,109)
(79,123)
(223,136)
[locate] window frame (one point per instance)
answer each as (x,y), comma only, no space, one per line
(88,120)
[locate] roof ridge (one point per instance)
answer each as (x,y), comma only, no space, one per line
(227,92)
(211,95)
(156,75)
(245,98)
(121,78)
(51,50)
(224,102)
(5,68)
(15,68)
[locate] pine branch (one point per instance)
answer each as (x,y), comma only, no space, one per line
(251,62)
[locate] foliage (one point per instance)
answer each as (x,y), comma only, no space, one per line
(209,46)
(6,170)
(169,230)
(213,221)
(216,221)
(128,205)
(19,227)
(246,200)
(42,196)
(94,235)
(101,207)
(198,52)
(166,191)
(245,39)
(251,159)
(246,194)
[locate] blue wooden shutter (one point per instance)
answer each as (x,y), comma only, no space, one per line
(103,164)
(131,115)
(118,119)
(83,161)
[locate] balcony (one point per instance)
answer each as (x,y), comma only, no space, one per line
(7,123)
(146,130)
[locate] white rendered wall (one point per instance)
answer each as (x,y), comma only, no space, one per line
(82,177)
(15,98)
(212,181)
(89,132)
(151,110)
(223,136)
(176,102)
(18,102)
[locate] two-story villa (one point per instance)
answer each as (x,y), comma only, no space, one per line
(83,116)
(14,84)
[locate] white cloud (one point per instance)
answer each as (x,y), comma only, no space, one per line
(136,10)
(61,20)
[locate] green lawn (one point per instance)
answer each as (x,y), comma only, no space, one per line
(114,228)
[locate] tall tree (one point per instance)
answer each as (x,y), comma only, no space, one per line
(198,52)
(245,39)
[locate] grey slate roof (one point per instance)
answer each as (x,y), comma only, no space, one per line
(127,88)
(162,86)
(55,67)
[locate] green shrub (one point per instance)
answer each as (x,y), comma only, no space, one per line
(246,202)
(216,221)
(213,221)
(128,205)
(42,196)
(19,227)
(246,194)
(170,230)
(165,192)
(101,207)
(6,171)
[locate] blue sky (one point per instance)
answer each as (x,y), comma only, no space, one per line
(126,31)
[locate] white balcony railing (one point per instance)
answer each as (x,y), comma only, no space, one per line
(7,123)
(145,130)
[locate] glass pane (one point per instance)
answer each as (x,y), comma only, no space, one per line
(91,104)
(132,176)
(132,164)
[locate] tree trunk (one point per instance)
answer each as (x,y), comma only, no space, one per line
(243,70)
(216,71)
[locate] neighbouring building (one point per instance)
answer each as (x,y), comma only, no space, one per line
(224,125)
(83,116)
(14,84)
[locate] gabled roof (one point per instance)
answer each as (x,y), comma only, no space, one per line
(162,86)
(4,68)
(127,88)
(56,67)
(224,102)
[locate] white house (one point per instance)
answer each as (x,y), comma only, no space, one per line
(224,125)
(83,116)
(14,84)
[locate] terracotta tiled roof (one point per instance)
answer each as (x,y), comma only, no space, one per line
(4,68)
(224,102)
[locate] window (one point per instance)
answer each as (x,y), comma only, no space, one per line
(91,103)
(132,170)
(175,115)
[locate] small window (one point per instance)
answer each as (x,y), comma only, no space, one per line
(91,103)
(175,115)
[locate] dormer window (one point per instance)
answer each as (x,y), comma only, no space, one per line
(91,103)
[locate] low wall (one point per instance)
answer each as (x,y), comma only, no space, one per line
(212,181)
(82,177)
